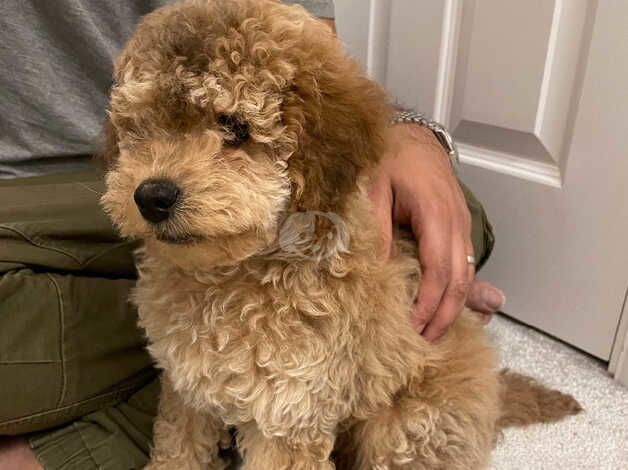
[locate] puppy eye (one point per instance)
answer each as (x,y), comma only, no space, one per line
(238,130)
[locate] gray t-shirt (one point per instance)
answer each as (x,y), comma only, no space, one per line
(55,73)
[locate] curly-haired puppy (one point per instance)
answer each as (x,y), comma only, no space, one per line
(239,143)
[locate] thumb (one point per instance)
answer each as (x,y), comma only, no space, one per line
(484,297)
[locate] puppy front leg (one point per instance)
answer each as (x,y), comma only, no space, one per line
(184,439)
(277,453)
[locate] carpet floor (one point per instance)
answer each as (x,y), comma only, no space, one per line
(596,439)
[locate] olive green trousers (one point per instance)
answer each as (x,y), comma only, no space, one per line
(74,375)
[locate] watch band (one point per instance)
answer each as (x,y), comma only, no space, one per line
(439,131)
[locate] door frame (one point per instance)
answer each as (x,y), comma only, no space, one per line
(618,365)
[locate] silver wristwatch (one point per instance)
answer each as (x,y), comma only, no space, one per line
(443,136)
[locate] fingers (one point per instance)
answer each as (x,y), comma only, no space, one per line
(485,298)
(434,241)
(456,273)
(380,194)
(455,294)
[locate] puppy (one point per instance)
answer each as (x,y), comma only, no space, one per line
(239,143)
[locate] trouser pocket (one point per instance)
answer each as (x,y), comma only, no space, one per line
(68,345)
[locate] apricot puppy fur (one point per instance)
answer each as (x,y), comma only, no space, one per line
(238,147)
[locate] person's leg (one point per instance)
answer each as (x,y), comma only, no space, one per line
(482,297)
(116,437)
(481,229)
(70,352)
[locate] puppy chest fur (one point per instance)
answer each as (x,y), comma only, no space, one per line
(284,342)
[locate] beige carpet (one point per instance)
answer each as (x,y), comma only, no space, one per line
(594,440)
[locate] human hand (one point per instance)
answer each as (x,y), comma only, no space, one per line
(15,454)
(414,185)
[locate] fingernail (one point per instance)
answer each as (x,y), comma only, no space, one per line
(494,298)
(419,327)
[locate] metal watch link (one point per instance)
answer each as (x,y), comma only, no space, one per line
(439,131)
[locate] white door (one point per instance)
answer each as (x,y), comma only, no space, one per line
(536,92)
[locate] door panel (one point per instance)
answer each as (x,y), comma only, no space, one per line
(536,95)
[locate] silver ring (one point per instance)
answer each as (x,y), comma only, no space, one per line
(471,259)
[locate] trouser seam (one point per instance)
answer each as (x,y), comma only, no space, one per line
(64,377)
(33,361)
(39,245)
(105,252)
(104,397)
(89,452)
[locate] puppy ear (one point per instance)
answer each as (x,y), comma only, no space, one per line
(344,117)
(109,148)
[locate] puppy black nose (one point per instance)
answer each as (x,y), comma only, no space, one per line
(156,198)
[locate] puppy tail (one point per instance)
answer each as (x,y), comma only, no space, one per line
(525,401)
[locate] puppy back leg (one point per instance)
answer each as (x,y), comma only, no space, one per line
(184,439)
(311,451)
(421,434)
(442,420)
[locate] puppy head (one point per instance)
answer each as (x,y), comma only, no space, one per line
(226,116)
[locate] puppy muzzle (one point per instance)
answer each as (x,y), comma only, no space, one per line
(156,199)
